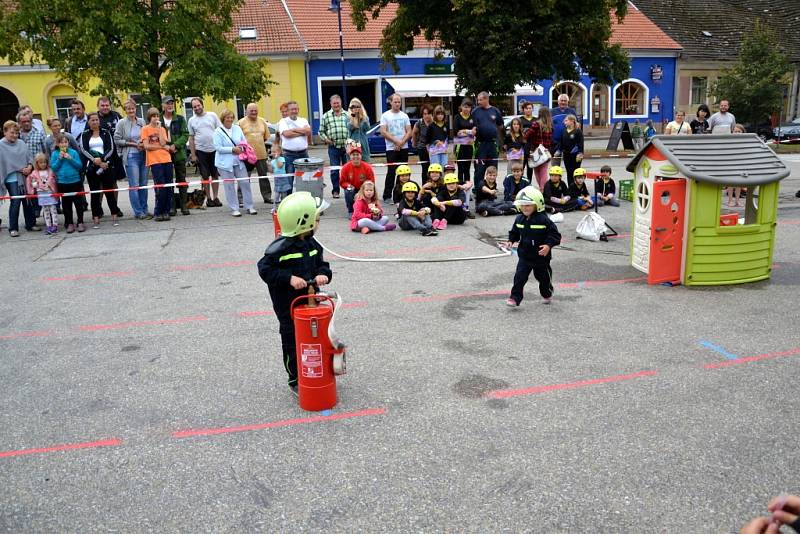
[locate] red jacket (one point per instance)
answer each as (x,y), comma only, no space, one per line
(361,211)
(535,136)
(355,176)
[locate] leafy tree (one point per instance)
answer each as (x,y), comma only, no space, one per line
(151,47)
(754,84)
(498,44)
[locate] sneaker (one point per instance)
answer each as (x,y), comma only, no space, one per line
(470,215)
(268,200)
(119,213)
(365,230)
(184,211)
(389,227)
(81,227)
(435,224)
(139,217)
(251,211)
(34,228)
(483,213)
(70,228)
(148,216)
(434,232)
(173,213)
(294,390)
(797,194)
(217,203)
(14,233)
(511,303)
(442,224)
(210,203)
(547,300)
(49,230)
(237,213)
(115,223)
(95,226)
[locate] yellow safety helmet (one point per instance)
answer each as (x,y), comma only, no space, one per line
(580,171)
(410,186)
(555,169)
(434,167)
(450,179)
(402,170)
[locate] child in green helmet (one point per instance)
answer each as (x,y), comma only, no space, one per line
(289,262)
(535,235)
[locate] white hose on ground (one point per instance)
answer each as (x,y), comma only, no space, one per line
(503,254)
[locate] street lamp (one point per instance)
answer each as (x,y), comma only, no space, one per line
(336,6)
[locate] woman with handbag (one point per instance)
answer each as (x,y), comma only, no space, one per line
(228,139)
(540,138)
(97,149)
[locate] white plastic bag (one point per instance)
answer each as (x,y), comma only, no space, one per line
(591,227)
(556,217)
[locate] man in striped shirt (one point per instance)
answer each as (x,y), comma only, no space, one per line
(333,131)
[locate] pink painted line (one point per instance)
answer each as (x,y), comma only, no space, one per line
(590,283)
(68,447)
(41,333)
(70,278)
(737,361)
(619,236)
(264,313)
(506,393)
(795,221)
(199,267)
(276,424)
(136,324)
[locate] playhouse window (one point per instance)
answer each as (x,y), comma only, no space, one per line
(730,216)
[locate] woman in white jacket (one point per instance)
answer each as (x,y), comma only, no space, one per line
(226,143)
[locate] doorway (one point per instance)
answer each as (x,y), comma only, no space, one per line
(9,105)
(600,105)
(364,90)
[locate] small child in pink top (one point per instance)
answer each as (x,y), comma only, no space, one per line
(42,183)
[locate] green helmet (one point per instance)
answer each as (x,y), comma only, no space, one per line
(297,213)
(530,196)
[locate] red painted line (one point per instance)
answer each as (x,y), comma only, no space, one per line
(68,447)
(619,236)
(506,393)
(795,221)
(116,326)
(277,424)
(40,333)
(73,277)
(202,266)
(263,313)
(728,363)
(563,285)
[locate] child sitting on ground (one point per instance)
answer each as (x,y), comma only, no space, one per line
(579,191)
(431,187)
(556,192)
(353,175)
(367,212)
(605,189)
(283,184)
(288,262)
(514,182)
(403,175)
(449,204)
(486,199)
(536,235)
(411,214)
(465,186)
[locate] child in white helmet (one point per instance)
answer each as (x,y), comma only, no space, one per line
(535,235)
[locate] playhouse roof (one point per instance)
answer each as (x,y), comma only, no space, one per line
(738,160)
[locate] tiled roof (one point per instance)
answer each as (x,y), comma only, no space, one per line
(320,27)
(726,21)
(275,34)
(636,31)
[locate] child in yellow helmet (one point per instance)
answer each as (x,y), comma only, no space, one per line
(556,192)
(449,204)
(411,214)
(403,175)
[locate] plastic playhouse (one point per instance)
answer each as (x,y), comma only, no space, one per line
(681,232)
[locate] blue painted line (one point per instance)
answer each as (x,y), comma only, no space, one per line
(582,285)
(326,412)
(719,350)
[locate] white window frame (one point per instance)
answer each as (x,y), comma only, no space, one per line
(68,109)
(646,106)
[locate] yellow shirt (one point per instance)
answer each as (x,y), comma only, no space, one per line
(256,132)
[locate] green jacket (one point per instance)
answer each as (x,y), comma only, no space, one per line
(179,135)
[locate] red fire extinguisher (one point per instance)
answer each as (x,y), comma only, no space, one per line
(320,352)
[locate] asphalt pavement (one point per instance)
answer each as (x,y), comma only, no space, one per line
(143,389)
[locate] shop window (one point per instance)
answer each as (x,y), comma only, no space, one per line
(699,90)
(63,105)
(413,105)
(142,105)
(630,99)
(573,91)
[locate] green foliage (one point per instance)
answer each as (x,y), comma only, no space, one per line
(754,84)
(501,43)
(150,47)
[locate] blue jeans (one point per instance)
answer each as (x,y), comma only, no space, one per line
(14,189)
(137,177)
(289,156)
(162,174)
(337,156)
(441,159)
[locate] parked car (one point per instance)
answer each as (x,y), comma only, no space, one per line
(377,144)
(789,131)
(762,129)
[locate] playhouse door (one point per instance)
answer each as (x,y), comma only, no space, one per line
(666,235)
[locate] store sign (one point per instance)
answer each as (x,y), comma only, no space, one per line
(438,68)
(656,73)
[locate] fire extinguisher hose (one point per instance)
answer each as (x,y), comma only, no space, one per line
(505,253)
